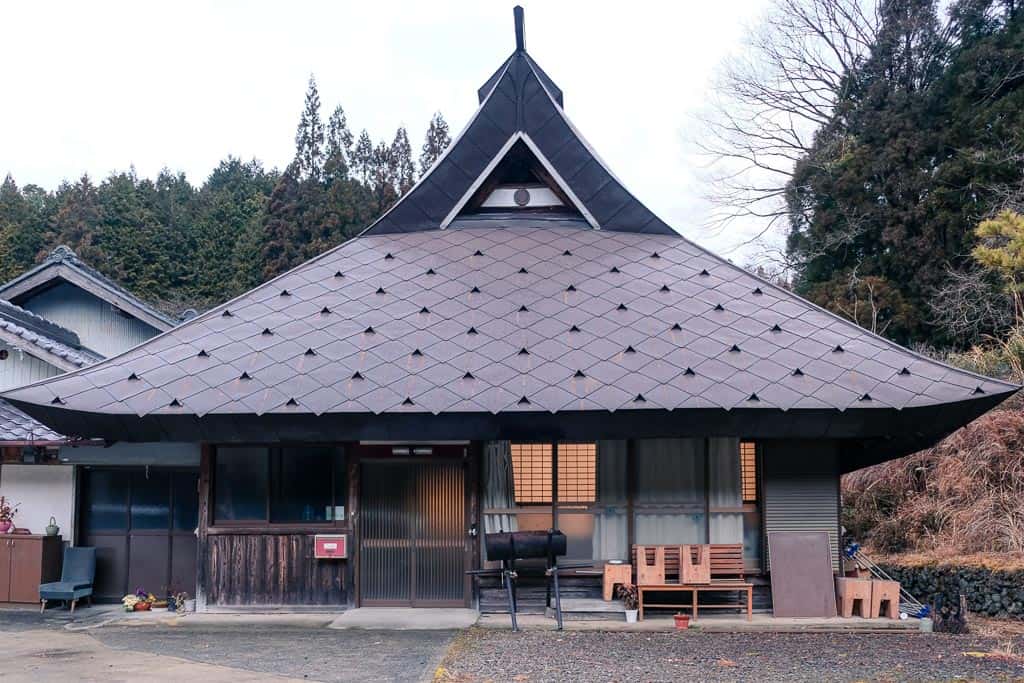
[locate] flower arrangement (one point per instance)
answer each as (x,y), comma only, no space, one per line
(139,601)
(7,510)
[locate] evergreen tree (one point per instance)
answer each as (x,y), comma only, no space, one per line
(362,158)
(309,136)
(338,147)
(401,159)
(435,142)
(383,174)
(921,147)
(282,227)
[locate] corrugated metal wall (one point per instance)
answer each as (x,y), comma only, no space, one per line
(800,484)
(99,326)
(20,369)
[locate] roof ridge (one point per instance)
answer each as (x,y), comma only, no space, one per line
(64,255)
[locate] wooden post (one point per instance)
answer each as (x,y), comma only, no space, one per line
(352,513)
(202,547)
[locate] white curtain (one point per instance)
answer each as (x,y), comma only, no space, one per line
(499,492)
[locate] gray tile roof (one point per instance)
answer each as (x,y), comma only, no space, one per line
(515,319)
(38,336)
(17,427)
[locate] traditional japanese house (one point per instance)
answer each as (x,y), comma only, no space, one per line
(518,343)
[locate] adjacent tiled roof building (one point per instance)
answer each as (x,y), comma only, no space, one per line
(519,289)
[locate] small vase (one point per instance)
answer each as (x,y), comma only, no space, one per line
(682,621)
(5,526)
(631,616)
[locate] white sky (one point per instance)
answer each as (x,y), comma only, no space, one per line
(97,86)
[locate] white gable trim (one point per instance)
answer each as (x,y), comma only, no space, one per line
(562,185)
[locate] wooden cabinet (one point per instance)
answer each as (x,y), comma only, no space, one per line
(25,562)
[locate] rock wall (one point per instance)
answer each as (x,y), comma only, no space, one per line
(991,592)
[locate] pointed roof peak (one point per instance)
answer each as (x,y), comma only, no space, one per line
(517,12)
(521,108)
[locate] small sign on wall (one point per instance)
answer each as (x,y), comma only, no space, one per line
(330,546)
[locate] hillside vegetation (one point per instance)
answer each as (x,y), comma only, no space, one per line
(963,497)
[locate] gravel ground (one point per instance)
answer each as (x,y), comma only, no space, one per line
(314,654)
(492,655)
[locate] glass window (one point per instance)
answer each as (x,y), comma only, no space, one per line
(240,484)
(670,491)
(106,500)
(185,513)
(531,469)
(301,483)
(150,507)
(340,485)
(577,472)
(748,470)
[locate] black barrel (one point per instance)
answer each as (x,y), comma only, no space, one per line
(523,545)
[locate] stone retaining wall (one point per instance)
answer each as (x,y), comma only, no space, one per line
(992,592)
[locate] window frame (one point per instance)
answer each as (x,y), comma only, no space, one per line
(340,459)
(555,500)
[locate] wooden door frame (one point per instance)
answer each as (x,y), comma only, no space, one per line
(464,454)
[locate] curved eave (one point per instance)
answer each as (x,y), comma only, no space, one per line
(875,434)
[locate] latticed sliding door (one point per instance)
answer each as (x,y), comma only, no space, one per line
(412,547)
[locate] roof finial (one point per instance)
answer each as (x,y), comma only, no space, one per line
(520,38)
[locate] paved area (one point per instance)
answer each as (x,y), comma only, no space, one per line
(312,654)
(403,619)
(106,645)
(481,654)
(42,656)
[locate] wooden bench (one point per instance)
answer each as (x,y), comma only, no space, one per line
(727,574)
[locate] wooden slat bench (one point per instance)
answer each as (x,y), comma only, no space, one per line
(727,574)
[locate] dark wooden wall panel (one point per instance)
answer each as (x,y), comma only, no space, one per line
(271,569)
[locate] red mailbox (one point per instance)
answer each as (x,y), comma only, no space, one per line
(330,546)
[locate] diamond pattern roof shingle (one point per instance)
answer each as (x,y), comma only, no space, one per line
(639,345)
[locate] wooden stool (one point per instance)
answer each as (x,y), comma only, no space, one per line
(889,593)
(849,591)
(616,574)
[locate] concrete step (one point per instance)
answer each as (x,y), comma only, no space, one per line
(589,609)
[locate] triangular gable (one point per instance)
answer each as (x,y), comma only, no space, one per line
(63,265)
(548,175)
(519,102)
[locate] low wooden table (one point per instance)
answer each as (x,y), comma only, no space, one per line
(613,574)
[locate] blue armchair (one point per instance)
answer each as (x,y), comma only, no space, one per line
(76,577)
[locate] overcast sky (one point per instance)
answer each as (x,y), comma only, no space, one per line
(97,86)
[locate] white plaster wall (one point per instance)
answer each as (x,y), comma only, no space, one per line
(42,491)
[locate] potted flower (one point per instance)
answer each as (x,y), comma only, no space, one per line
(630,601)
(7,513)
(682,621)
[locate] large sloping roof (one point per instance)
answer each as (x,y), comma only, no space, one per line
(517,325)
(63,265)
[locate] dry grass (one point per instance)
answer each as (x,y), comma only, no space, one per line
(964,497)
